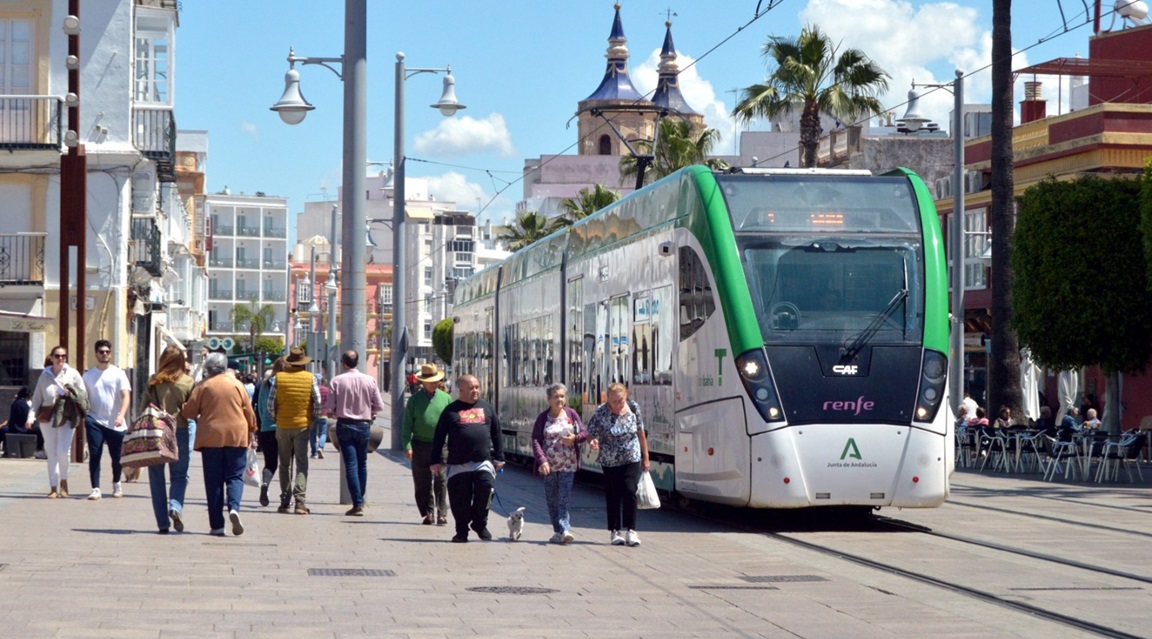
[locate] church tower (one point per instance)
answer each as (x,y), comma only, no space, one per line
(668,96)
(618,101)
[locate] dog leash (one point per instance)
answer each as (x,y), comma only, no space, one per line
(496,496)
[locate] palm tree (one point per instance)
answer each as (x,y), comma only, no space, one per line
(676,148)
(814,76)
(587,203)
(1004,362)
(529,227)
(256,320)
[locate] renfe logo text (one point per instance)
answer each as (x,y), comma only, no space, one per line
(854,406)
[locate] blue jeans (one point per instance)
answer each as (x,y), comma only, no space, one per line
(353,438)
(318,433)
(558,492)
(98,434)
(223,469)
(163,500)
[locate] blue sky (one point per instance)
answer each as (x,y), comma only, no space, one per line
(521,67)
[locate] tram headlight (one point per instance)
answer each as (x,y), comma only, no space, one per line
(757,380)
(933,376)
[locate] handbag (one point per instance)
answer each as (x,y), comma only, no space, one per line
(252,469)
(646,495)
(150,440)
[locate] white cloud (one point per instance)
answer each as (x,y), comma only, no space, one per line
(924,43)
(697,91)
(466,135)
(469,196)
(250,129)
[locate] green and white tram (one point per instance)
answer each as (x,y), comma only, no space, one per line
(784,331)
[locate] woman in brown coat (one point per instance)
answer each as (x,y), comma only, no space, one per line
(225,428)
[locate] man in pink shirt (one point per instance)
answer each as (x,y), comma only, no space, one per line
(353,401)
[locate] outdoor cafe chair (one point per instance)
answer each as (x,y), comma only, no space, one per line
(1122,452)
(1064,456)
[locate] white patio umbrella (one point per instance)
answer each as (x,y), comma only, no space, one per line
(1068,387)
(1030,384)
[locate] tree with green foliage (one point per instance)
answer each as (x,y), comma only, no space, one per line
(677,145)
(585,204)
(529,227)
(255,319)
(1146,214)
(814,76)
(1081,281)
(442,339)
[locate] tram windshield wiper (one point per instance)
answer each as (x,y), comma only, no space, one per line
(853,346)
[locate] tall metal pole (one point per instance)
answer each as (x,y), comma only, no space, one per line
(353,305)
(331,356)
(956,363)
(399,298)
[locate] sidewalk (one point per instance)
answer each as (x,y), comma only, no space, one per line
(77,569)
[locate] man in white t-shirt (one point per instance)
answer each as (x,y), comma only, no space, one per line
(970,405)
(109,395)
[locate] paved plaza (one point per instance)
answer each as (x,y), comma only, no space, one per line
(80,569)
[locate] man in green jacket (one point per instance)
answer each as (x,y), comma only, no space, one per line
(420,417)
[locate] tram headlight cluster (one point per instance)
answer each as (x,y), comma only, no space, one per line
(933,377)
(757,380)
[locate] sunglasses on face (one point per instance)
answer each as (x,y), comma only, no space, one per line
(59,355)
(104,352)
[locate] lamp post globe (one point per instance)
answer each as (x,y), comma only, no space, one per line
(292,107)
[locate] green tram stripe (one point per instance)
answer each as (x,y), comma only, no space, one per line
(936,326)
(713,228)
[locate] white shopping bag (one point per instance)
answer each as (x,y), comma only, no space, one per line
(252,469)
(646,496)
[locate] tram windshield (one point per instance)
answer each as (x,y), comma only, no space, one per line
(831,259)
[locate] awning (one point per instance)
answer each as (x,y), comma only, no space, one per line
(419,213)
(24,323)
(167,336)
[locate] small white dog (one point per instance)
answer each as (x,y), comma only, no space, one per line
(516,524)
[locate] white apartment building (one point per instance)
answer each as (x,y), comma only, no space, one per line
(247,257)
(126,64)
(442,244)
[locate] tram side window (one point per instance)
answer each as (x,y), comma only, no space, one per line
(663,318)
(696,301)
(642,339)
(621,348)
(576,339)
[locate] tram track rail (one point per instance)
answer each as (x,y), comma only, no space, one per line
(864,523)
(968,591)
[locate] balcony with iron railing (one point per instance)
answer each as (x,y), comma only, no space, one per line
(144,246)
(275,231)
(22,259)
(154,135)
(219,262)
(223,229)
(247,263)
(182,320)
(272,295)
(248,231)
(220,294)
(221,327)
(30,122)
(275,265)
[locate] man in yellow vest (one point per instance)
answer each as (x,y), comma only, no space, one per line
(294,404)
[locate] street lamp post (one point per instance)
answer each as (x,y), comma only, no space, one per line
(292,108)
(913,120)
(448,106)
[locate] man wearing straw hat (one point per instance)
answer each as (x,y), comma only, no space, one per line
(419,425)
(294,404)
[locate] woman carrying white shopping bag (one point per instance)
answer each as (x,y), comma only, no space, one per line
(616,430)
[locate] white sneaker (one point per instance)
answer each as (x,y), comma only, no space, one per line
(632,538)
(117,490)
(567,537)
(41,455)
(237,526)
(557,538)
(94,495)
(617,540)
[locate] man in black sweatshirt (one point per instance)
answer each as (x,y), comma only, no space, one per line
(475,455)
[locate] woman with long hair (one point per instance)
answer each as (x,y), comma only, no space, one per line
(59,404)
(168,389)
